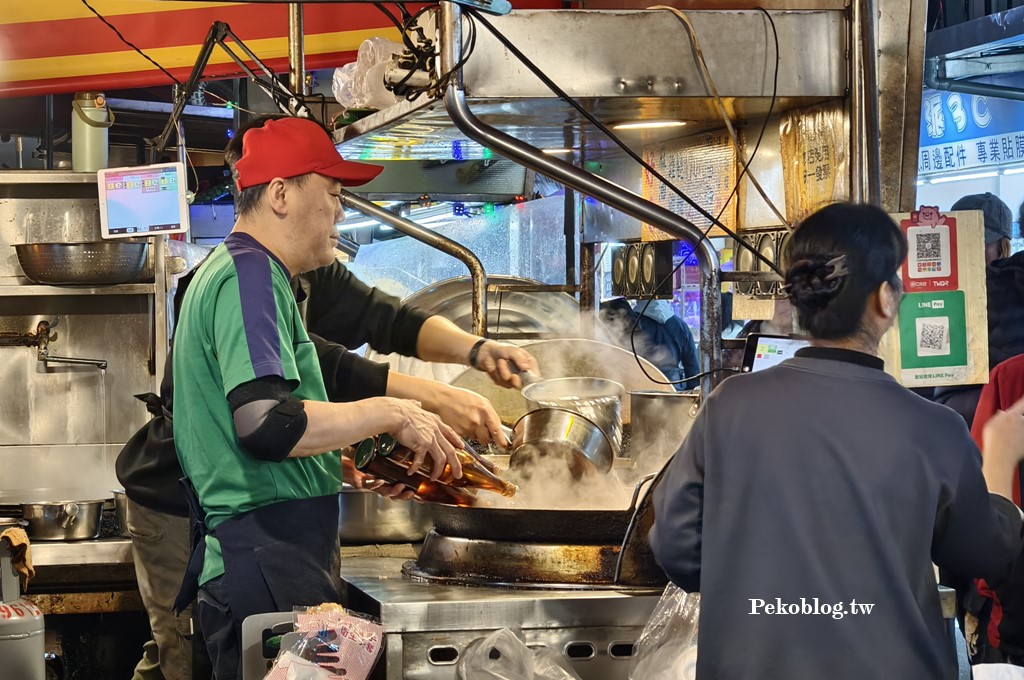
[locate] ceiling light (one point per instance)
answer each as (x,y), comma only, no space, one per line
(648,124)
(1013,171)
(956,178)
(556,151)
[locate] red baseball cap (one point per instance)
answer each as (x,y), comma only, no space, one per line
(289,147)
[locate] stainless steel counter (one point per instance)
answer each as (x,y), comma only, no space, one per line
(428,626)
(106,551)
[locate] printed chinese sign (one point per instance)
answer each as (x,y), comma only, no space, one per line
(961,131)
(815,158)
(941,332)
(931,262)
(933,337)
(704,168)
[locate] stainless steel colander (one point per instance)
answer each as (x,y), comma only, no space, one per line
(98,263)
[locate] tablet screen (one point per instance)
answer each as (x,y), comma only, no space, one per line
(765,351)
(143,201)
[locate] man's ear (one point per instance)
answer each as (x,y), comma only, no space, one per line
(276,196)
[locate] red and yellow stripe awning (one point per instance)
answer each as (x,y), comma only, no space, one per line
(54,46)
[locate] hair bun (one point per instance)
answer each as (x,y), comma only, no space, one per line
(812,283)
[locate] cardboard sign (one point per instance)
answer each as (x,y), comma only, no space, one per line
(941,332)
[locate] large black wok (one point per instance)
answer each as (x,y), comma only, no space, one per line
(569,527)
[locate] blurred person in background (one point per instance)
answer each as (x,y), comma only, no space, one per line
(660,336)
(1004,278)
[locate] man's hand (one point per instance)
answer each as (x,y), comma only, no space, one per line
(503,362)
(469,414)
(1003,448)
(425,434)
(361,480)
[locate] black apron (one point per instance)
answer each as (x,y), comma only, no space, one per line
(276,557)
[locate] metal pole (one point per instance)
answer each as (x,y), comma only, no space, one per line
(872,120)
(856,107)
(569,229)
(296,50)
(48,130)
(434,240)
(450,30)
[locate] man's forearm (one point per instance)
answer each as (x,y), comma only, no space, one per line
(425,391)
(332,426)
(442,341)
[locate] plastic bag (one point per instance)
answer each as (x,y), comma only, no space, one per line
(997,671)
(329,642)
(667,647)
(513,660)
(361,83)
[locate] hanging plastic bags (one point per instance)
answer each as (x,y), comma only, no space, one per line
(667,647)
(503,655)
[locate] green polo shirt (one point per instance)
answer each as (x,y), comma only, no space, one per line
(239,322)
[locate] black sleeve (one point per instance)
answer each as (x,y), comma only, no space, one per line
(343,309)
(977,534)
(679,510)
(348,376)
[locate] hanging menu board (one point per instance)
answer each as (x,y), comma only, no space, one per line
(941,335)
(704,168)
(815,158)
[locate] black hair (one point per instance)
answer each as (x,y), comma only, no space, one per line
(837,257)
(248,199)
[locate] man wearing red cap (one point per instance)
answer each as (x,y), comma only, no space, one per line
(255,434)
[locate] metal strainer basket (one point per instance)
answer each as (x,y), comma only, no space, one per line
(97,263)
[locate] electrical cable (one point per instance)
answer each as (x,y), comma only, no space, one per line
(475,15)
(735,189)
(207,93)
(713,91)
(129,43)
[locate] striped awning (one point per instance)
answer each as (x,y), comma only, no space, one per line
(54,46)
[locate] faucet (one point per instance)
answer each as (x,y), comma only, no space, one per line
(41,339)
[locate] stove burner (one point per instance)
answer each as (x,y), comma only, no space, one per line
(531,566)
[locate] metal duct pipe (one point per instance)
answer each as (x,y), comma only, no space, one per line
(434,240)
(939,82)
(450,27)
(296,50)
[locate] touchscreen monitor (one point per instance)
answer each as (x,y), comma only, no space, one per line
(765,351)
(146,200)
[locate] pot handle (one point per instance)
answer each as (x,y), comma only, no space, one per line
(67,515)
(639,486)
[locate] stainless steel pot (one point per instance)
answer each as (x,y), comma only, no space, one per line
(63,520)
(121,507)
(597,399)
(563,433)
(661,421)
(367,518)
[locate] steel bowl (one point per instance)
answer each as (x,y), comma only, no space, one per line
(121,508)
(96,263)
(597,399)
(367,518)
(63,520)
(559,432)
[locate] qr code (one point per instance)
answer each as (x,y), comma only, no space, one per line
(929,246)
(933,336)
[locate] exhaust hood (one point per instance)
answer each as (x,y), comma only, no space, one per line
(592,56)
(493,180)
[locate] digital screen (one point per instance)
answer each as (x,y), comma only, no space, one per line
(773,351)
(142,201)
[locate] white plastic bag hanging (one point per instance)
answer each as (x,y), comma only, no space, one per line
(503,655)
(361,83)
(667,647)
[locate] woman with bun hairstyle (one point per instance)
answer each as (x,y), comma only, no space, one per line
(810,500)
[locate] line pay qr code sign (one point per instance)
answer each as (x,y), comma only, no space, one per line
(933,330)
(931,263)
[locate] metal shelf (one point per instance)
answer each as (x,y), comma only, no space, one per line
(46,177)
(41,291)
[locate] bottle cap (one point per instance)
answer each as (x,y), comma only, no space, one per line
(365,452)
(385,444)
